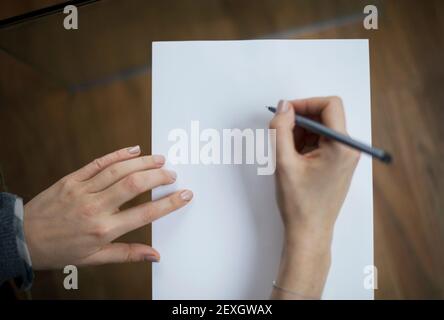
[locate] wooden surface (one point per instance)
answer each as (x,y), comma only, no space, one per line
(47,131)
(14,8)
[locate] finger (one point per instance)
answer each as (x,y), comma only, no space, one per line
(283,123)
(133,185)
(119,170)
(101,163)
(122,252)
(330,110)
(146,213)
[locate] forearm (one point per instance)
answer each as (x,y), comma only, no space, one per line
(304,266)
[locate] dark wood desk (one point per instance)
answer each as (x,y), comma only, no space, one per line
(47,132)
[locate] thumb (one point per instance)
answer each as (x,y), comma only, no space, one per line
(122,252)
(283,123)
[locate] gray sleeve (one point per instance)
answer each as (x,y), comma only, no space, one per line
(15,262)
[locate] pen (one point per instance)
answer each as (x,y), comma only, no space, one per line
(322,130)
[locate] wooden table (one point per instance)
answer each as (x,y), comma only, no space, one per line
(50,127)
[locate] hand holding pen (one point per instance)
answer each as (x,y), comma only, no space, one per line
(313,175)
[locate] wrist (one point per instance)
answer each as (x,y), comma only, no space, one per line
(305,262)
(310,236)
(307,249)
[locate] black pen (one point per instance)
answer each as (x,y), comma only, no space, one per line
(322,130)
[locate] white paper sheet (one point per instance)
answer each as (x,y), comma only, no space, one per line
(226,244)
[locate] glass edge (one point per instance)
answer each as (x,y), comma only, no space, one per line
(41,13)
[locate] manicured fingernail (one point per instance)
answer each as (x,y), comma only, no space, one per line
(186,195)
(151,258)
(283,106)
(158,159)
(172,174)
(134,150)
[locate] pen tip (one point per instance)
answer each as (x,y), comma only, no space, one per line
(387,158)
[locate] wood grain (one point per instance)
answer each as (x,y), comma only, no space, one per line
(47,132)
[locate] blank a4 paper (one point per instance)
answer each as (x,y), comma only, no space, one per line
(226,243)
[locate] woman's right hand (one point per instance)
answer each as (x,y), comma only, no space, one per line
(313,175)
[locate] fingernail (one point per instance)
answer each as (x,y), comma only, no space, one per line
(151,258)
(172,174)
(186,195)
(134,150)
(158,159)
(283,106)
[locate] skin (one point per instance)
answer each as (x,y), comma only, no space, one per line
(313,176)
(76,220)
